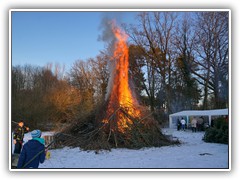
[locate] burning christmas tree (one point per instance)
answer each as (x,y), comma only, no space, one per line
(120,121)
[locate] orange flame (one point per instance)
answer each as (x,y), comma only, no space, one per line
(121,95)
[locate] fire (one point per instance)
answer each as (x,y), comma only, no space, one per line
(121,95)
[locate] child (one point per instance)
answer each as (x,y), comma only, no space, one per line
(33,151)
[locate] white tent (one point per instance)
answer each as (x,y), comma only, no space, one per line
(187,114)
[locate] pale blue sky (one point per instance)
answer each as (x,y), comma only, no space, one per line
(39,38)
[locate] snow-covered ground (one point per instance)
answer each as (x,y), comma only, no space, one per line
(191,153)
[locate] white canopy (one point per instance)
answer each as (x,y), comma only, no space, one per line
(215,112)
(209,113)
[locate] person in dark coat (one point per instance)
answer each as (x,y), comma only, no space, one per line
(18,136)
(178,125)
(33,151)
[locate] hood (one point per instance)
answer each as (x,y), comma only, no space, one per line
(34,144)
(41,140)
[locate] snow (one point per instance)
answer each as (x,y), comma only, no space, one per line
(191,153)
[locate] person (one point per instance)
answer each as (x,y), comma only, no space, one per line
(200,123)
(33,151)
(18,136)
(194,124)
(183,122)
(178,124)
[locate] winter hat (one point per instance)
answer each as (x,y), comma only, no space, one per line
(36,133)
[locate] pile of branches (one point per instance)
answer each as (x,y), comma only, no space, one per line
(94,134)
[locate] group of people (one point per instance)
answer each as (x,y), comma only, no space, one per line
(31,153)
(181,124)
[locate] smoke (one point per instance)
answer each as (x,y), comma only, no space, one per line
(111,67)
(108,37)
(106,26)
(108,22)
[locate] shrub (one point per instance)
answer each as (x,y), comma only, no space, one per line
(218,133)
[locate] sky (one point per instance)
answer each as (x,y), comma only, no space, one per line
(40,37)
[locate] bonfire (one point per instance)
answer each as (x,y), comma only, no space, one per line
(121,121)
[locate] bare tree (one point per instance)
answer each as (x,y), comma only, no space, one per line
(64,101)
(187,93)
(82,78)
(212,49)
(99,69)
(154,33)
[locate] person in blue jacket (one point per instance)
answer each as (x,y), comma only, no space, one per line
(33,151)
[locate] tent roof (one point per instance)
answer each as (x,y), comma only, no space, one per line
(215,112)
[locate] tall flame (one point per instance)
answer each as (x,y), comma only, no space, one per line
(121,95)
